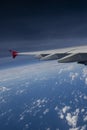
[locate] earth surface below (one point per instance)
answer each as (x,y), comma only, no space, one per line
(43,96)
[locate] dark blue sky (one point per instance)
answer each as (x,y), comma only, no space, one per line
(37,25)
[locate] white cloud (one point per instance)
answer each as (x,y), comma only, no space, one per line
(83,127)
(40,102)
(61,115)
(72,119)
(62,112)
(65,68)
(86,81)
(73,76)
(85,118)
(46,111)
(84,75)
(82,110)
(85,97)
(20,91)
(74,128)
(84,72)
(21,117)
(56,108)
(77,111)
(65,109)
(3,89)
(48,129)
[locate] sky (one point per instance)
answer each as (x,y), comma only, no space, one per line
(39,25)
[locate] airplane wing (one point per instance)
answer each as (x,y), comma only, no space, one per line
(80,58)
(66,55)
(44,55)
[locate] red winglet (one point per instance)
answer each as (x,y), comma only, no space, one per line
(14,53)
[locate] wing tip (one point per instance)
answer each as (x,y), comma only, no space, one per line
(13,53)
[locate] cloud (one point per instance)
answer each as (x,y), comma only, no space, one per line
(48,129)
(82,110)
(84,75)
(71,119)
(79,128)
(65,109)
(56,108)
(85,97)
(73,76)
(61,115)
(46,111)
(66,69)
(84,72)
(74,128)
(21,117)
(62,112)
(85,118)
(86,81)
(83,127)
(3,89)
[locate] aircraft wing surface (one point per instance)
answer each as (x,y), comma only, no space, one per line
(65,55)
